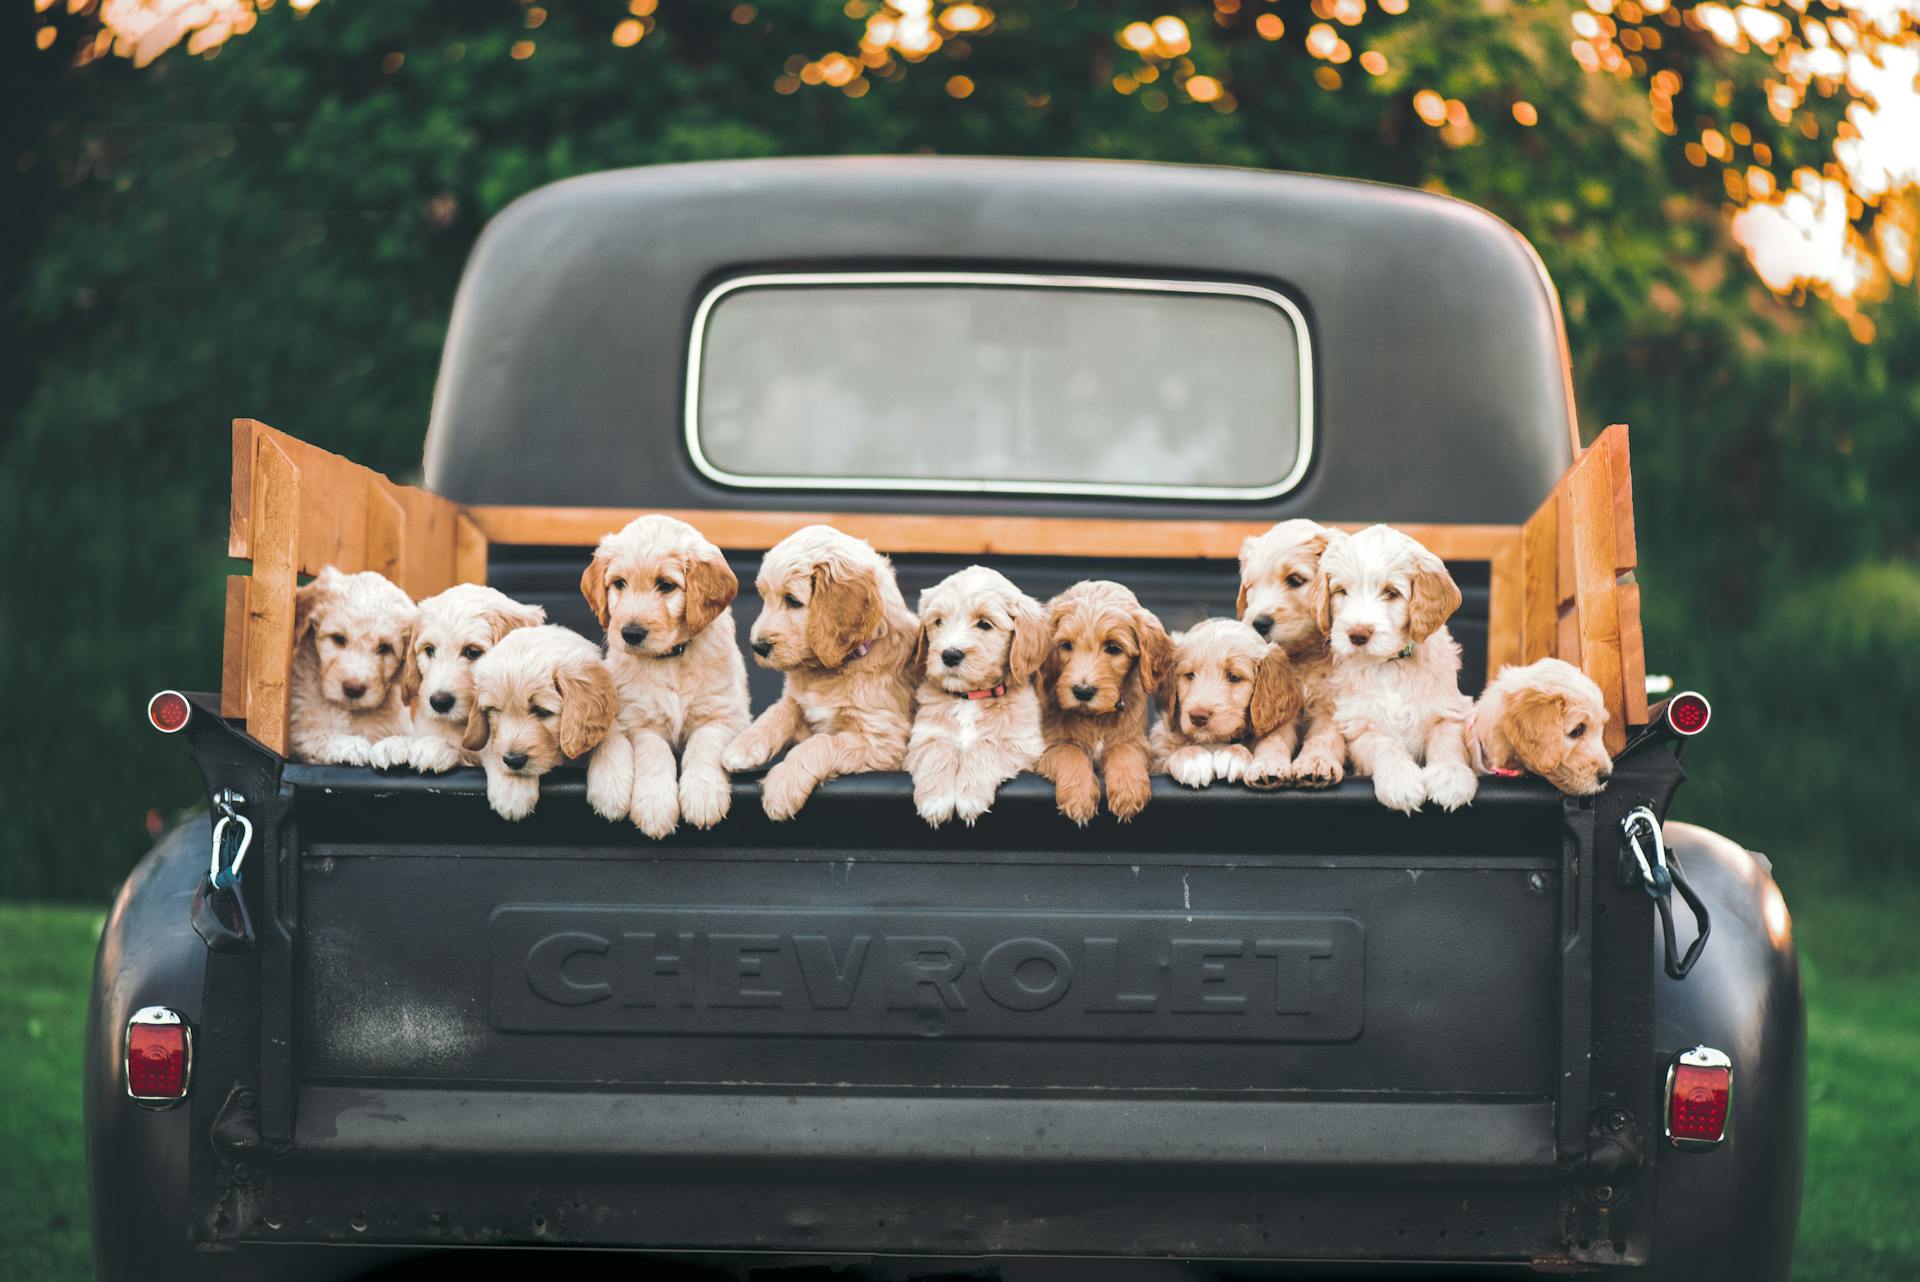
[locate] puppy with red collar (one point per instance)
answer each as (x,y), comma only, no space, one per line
(976,721)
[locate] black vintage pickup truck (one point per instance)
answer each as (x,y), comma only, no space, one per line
(352,1019)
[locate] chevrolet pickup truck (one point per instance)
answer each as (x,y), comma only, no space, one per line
(352,1019)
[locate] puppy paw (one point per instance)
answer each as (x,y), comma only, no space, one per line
(1191,766)
(434,756)
(656,805)
(392,752)
(1077,802)
(936,808)
(1268,770)
(705,797)
(1231,762)
(1128,797)
(1400,787)
(1450,786)
(609,787)
(513,797)
(969,807)
(745,753)
(1314,769)
(348,750)
(784,790)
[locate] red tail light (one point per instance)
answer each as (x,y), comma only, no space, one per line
(1688,712)
(168,711)
(159,1057)
(1699,1092)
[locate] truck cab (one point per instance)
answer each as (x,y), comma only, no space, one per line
(1246,1034)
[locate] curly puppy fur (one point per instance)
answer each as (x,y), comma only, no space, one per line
(351,636)
(662,592)
(976,722)
(1107,653)
(1381,593)
(1229,702)
(541,696)
(832,619)
(1278,570)
(1547,718)
(454,629)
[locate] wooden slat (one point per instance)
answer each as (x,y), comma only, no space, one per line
(753,531)
(233,650)
(386,535)
(469,551)
(1539,566)
(1626,543)
(1633,654)
(1590,497)
(275,542)
(1506,595)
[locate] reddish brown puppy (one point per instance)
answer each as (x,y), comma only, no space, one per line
(1108,653)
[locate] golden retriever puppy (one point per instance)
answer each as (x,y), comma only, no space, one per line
(832,619)
(455,628)
(1278,570)
(662,592)
(1106,654)
(351,635)
(540,697)
(1546,717)
(1231,701)
(976,722)
(1384,600)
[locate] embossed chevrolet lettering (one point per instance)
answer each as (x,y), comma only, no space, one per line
(963,974)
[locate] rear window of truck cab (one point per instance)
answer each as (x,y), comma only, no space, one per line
(983,382)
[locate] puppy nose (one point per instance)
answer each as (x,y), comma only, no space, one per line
(1359,636)
(513,760)
(952,657)
(352,689)
(633,634)
(763,648)
(1084,693)
(1199,717)
(1262,624)
(442,702)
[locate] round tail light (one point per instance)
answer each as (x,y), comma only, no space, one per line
(1688,712)
(168,711)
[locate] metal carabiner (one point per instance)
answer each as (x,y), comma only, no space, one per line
(1655,876)
(221,871)
(1660,877)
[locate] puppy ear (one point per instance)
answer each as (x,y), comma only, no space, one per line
(1535,724)
(1433,598)
(478,728)
(324,585)
(587,704)
(593,586)
(1156,647)
(1322,605)
(1277,697)
(515,615)
(1169,692)
(845,610)
(917,658)
(1240,601)
(1051,662)
(1032,641)
(711,588)
(409,668)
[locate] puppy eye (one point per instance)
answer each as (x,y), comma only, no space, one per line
(1339,592)
(385,647)
(1234,678)
(666,586)
(540,712)
(985,625)
(618,585)
(1296,580)
(1389,594)
(1578,731)
(1066,647)
(1114,647)
(338,638)
(471,653)
(426,652)
(793,602)
(1188,676)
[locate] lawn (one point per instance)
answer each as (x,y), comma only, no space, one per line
(1862,1216)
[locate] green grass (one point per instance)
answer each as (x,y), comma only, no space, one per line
(1861,1221)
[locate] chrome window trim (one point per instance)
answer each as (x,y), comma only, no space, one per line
(1698,1057)
(1303,343)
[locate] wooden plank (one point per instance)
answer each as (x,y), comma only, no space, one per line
(1565,577)
(754,531)
(1590,498)
(386,535)
(1506,594)
(275,544)
(1626,544)
(469,551)
(1633,654)
(1539,593)
(233,650)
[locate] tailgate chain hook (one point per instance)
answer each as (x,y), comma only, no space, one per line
(1660,877)
(224,869)
(219,913)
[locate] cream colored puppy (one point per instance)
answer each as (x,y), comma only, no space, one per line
(540,697)
(833,620)
(662,592)
(1384,600)
(351,634)
(1546,717)
(976,722)
(456,627)
(1278,570)
(1231,703)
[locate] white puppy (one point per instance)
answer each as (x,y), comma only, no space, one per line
(1546,717)
(976,722)
(540,697)
(351,634)
(662,592)
(1383,601)
(455,628)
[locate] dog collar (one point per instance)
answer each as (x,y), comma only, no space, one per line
(674,653)
(1505,772)
(993,692)
(1407,653)
(860,649)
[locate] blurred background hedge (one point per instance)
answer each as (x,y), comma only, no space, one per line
(273,227)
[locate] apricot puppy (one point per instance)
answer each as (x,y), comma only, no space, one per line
(351,635)
(1107,653)
(540,697)
(1545,718)
(456,627)
(976,722)
(1278,570)
(1229,697)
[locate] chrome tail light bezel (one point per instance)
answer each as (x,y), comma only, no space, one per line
(1698,1057)
(161,1017)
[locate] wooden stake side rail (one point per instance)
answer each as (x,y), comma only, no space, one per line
(1561,584)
